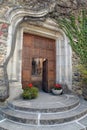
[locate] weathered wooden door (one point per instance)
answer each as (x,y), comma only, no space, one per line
(26,59)
(38,47)
(45,76)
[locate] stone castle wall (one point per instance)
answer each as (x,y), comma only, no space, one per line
(36,9)
(76,81)
(3,51)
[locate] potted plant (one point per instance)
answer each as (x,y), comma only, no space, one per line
(30,92)
(57,89)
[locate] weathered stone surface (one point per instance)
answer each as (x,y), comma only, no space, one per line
(3,128)
(76,79)
(84,90)
(57,7)
(52,103)
(3,40)
(1,74)
(4,85)
(75,125)
(3,30)
(8,125)
(48,118)
(84,121)
(36,5)
(3,50)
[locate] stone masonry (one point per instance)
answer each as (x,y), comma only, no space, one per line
(3,51)
(76,81)
(33,9)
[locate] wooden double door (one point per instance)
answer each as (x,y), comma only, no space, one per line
(37,47)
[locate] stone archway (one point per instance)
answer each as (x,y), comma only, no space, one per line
(63,51)
(46,28)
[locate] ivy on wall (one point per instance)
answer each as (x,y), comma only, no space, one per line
(76,30)
(75,27)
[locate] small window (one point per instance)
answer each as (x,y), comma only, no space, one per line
(37,66)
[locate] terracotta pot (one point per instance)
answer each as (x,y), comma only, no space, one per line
(57,92)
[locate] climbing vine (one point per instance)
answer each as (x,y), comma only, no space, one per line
(76,30)
(75,27)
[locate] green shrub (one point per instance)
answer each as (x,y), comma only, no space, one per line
(83,71)
(30,92)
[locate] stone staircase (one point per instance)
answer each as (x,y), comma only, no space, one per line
(47,111)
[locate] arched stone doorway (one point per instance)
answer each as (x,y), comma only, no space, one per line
(27,20)
(38,24)
(48,29)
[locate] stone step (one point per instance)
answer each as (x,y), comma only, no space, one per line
(19,116)
(34,118)
(63,117)
(67,102)
(75,125)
